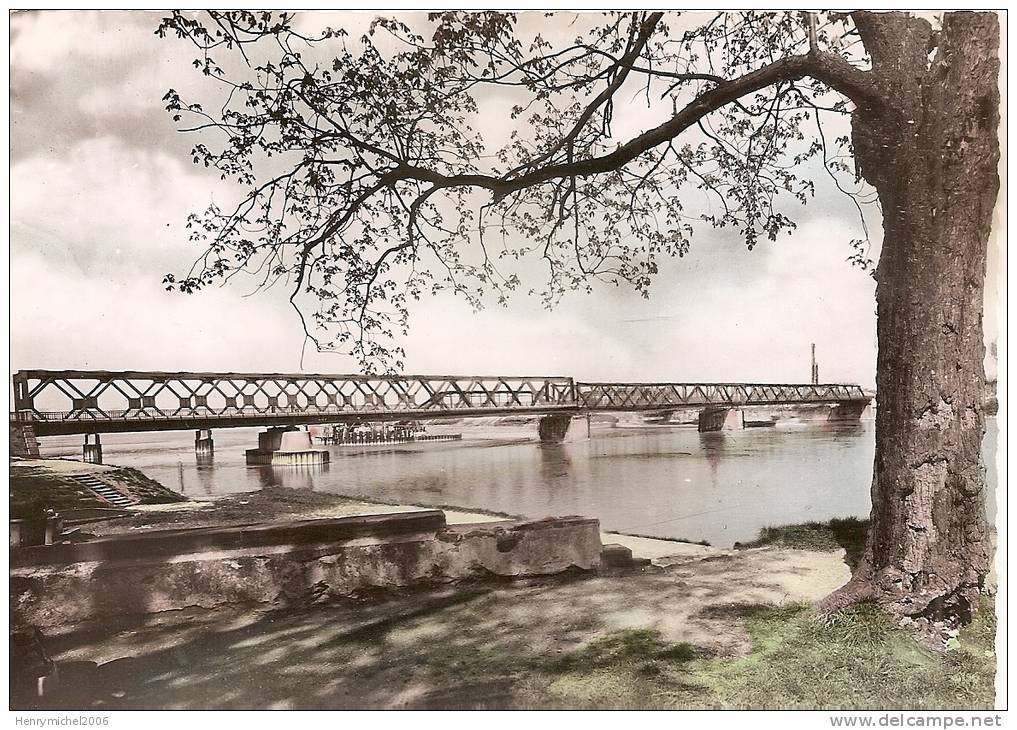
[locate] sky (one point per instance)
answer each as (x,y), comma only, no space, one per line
(102,183)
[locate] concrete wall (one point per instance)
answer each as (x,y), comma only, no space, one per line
(59,587)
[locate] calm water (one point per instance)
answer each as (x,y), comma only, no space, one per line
(660,481)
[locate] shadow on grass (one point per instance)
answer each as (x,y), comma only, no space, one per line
(735,610)
(848,533)
(543,646)
(452,649)
(624,647)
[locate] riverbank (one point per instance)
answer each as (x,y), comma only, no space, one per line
(38,485)
(726,630)
(271,504)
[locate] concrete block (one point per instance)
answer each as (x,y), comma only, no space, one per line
(620,557)
(63,587)
(295,441)
(615,556)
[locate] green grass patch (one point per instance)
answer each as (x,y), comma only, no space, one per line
(143,488)
(629,668)
(36,489)
(625,647)
(858,661)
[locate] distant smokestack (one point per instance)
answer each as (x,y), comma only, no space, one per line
(815,367)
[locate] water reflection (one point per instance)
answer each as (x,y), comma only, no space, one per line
(554,462)
(289,477)
(206,475)
(712,445)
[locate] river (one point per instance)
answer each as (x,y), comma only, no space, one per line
(661,481)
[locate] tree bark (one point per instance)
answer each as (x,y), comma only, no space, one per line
(932,156)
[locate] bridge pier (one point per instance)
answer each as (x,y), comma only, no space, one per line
(286,446)
(721,419)
(91,453)
(556,428)
(204,447)
(848,411)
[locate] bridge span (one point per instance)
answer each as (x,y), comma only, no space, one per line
(92,402)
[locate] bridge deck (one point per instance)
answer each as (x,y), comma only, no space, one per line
(93,401)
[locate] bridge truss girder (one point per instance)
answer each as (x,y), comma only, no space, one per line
(651,396)
(93,401)
(102,401)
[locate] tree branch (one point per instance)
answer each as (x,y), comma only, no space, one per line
(831,70)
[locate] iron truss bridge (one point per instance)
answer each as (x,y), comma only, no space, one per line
(59,402)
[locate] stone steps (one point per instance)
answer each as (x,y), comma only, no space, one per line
(103,490)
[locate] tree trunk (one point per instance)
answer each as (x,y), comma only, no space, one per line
(932,156)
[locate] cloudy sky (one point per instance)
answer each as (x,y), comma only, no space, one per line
(102,183)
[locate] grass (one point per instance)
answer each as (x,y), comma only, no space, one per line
(142,487)
(847,533)
(35,489)
(624,646)
(857,661)
(860,661)
(629,668)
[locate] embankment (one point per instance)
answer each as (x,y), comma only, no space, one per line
(275,565)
